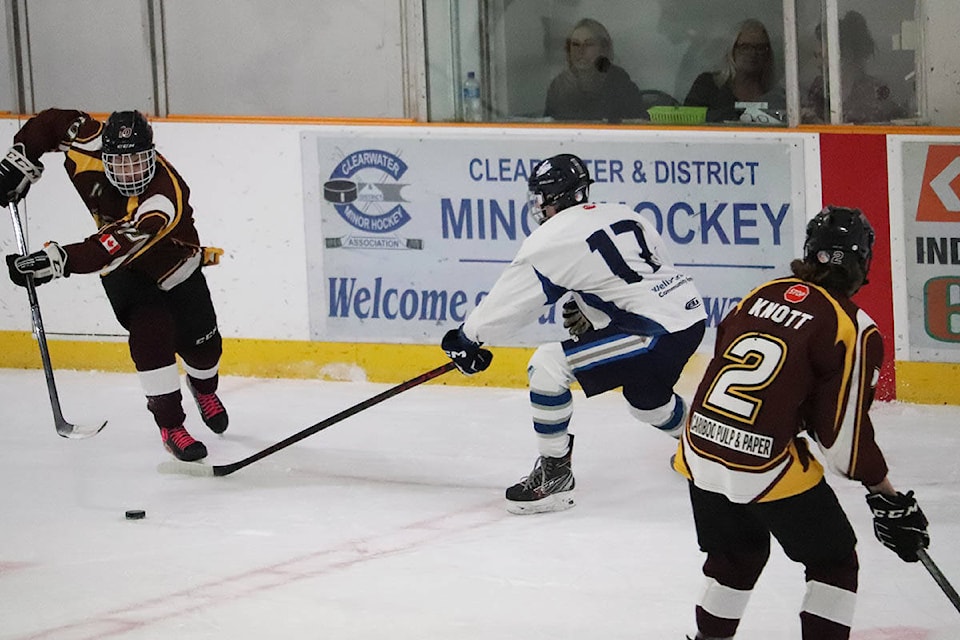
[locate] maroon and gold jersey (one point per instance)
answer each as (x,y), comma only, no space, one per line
(790,359)
(152,233)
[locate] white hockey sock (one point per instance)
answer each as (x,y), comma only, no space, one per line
(668,418)
(160,381)
(201,374)
(829,602)
(554,445)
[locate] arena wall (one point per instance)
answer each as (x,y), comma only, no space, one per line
(258,190)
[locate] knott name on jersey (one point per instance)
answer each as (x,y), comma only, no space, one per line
(780,313)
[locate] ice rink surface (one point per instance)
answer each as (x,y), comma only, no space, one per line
(391,523)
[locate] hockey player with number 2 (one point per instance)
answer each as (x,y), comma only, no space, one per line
(146,249)
(634,321)
(795,358)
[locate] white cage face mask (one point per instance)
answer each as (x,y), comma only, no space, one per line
(536,206)
(130,173)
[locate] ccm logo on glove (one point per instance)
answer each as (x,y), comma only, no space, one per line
(465,353)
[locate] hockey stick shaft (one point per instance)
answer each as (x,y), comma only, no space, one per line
(64,428)
(38,331)
(334,419)
(227,469)
(939,578)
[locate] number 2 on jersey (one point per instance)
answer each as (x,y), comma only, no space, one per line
(601,242)
(755,360)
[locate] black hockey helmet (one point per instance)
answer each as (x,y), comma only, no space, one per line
(840,236)
(129,157)
(561,181)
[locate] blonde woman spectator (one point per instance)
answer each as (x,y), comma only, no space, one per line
(747,76)
(592,87)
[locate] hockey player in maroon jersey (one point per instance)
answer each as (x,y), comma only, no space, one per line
(146,249)
(795,360)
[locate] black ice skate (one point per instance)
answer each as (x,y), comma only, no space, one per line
(182,445)
(549,487)
(212,411)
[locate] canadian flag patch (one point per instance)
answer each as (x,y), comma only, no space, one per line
(796,293)
(111,244)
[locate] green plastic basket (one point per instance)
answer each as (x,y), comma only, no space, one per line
(678,115)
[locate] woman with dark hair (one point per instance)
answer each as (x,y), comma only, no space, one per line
(864,98)
(592,87)
(747,76)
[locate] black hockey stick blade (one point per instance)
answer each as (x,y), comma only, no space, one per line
(200,469)
(939,578)
(64,428)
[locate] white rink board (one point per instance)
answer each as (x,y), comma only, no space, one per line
(257,192)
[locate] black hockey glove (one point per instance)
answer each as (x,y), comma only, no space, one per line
(465,353)
(17,173)
(44,265)
(899,523)
(573,319)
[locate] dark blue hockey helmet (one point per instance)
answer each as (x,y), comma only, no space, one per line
(561,182)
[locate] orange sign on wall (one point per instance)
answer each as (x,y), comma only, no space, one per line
(940,193)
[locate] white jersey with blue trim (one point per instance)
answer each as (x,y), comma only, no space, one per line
(612,260)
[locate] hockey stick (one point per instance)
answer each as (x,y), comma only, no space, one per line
(195,469)
(64,428)
(939,578)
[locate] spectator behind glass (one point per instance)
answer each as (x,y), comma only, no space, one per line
(592,87)
(748,76)
(864,98)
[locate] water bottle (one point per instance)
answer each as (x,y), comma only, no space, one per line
(472,107)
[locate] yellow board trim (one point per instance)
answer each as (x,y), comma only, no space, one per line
(917,382)
(278,359)
(928,382)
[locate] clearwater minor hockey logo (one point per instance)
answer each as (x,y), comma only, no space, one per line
(364,188)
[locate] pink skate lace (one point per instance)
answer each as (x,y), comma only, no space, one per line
(181,439)
(209,404)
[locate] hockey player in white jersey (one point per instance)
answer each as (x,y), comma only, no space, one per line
(634,321)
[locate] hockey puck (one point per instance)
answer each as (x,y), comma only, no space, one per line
(339,191)
(135,514)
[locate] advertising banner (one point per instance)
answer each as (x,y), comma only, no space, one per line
(931,236)
(407,228)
